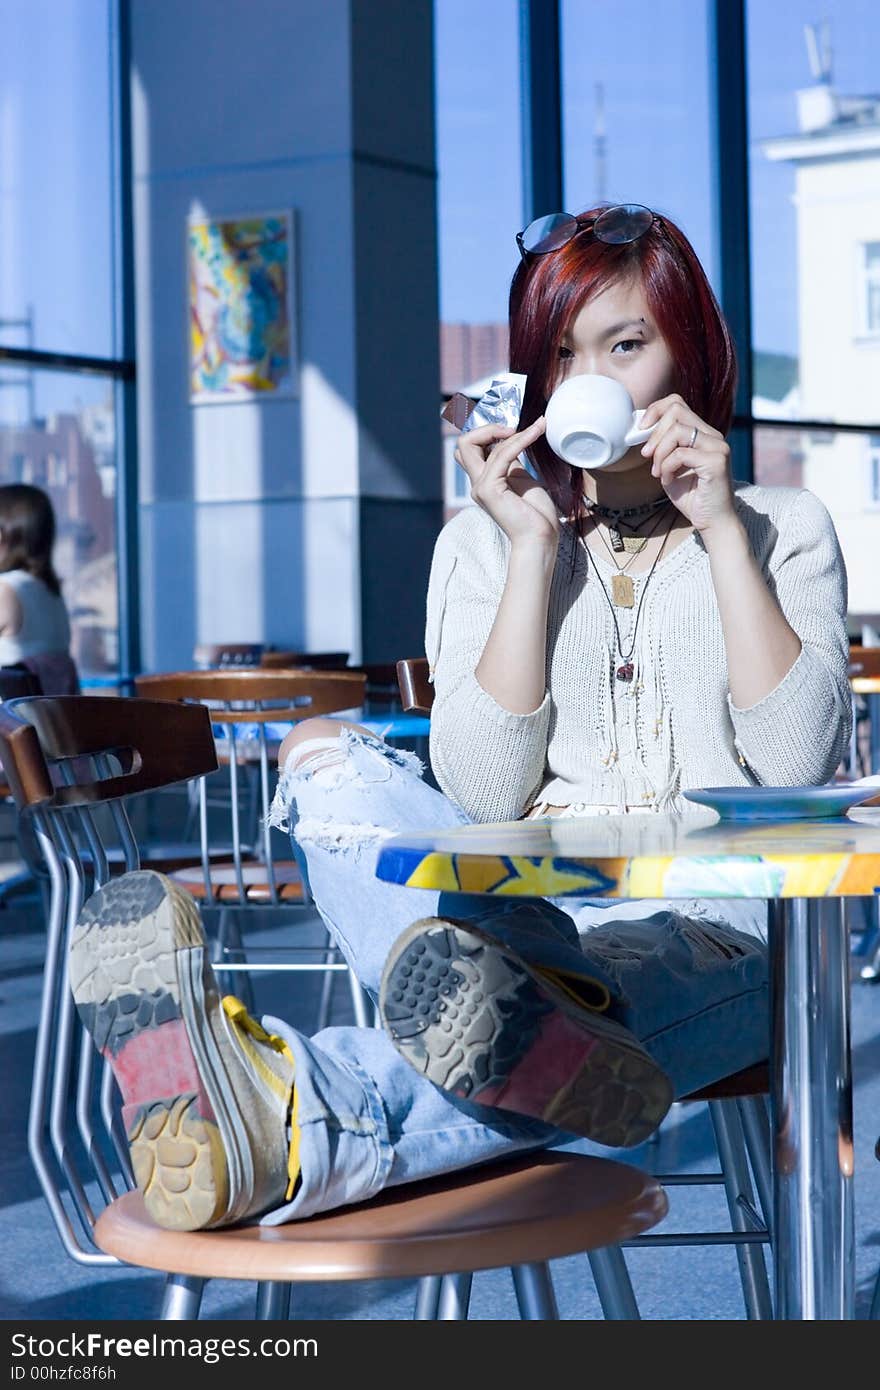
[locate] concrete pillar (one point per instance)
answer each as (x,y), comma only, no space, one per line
(307,521)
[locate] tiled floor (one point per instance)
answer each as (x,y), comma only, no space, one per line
(39,1281)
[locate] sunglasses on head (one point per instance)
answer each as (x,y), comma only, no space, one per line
(615,226)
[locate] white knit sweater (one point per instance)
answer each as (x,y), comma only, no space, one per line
(599,741)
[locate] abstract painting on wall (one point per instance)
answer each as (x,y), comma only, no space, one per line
(241,329)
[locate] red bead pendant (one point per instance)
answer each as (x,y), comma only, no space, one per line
(625,672)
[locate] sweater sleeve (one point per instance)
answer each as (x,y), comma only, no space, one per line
(487,760)
(797,734)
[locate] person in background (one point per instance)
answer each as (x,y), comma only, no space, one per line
(34,623)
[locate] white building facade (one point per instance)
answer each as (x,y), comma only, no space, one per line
(836,154)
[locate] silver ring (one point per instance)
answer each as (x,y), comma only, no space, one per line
(693,439)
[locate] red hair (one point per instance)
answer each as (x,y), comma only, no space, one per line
(547,293)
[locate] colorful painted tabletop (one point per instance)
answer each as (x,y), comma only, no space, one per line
(645,856)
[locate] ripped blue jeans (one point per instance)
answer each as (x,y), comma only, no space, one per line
(691,987)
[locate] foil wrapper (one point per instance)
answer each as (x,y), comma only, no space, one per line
(500,405)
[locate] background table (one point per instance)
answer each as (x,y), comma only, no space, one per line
(805,870)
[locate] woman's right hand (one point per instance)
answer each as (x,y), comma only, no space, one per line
(500,484)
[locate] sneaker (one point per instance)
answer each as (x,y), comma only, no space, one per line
(207,1094)
(477,1020)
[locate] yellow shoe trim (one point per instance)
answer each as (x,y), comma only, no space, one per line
(293,1151)
(560,979)
(249,1028)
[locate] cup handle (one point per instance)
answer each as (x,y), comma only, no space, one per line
(635,435)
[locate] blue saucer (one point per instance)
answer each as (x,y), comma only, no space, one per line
(781,803)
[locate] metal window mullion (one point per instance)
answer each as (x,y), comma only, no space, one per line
(128,588)
(541,108)
(730,159)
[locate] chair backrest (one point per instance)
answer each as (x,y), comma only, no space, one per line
(416,690)
(208,655)
(314,661)
(15,680)
(56,672)
(251,710)
(70,762)
(864,661)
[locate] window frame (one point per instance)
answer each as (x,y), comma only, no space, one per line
(118,370)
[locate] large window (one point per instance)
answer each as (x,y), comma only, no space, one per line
(480,182)
(815,213)
(814,117)
(667,113)
(477,78)
(63,439)
(60,419)
(636,110)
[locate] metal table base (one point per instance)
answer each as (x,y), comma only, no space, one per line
(811,1110)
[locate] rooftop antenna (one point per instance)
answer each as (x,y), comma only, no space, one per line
(818,37)
(599,144)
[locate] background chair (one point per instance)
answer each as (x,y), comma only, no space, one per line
(69,759)
(273,660)
(15,681)
(209,656)
(738,1112)
(251,709)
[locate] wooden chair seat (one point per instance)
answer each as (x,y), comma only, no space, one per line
(224,882)
(516,1213)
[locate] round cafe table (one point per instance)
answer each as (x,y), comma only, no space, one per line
(805,870)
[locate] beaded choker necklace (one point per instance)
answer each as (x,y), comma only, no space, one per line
(614,517)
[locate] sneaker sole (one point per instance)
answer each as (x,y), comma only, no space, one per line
(138,972)
(475,1020)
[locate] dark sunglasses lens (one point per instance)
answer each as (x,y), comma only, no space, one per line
(547,233)
(617,226)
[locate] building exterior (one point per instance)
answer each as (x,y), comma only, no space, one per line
(836,157)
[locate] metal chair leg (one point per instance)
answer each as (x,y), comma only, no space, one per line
(455,1297)
(534,1292)
(228,944)
(363,1010)
(427,1298)
(613,1284)
(326,1001)
(756,1129)
(273,1302)
(740,1204)
(871,946)
(183,1298)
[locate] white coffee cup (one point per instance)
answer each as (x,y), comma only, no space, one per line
(591,421)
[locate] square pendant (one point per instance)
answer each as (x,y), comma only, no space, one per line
(622,591)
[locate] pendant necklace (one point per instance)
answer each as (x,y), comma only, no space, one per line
(622,591)
(625,671)
(613,517)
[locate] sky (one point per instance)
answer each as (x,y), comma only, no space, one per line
(651,57)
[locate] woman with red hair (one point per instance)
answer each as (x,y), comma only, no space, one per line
(600,642)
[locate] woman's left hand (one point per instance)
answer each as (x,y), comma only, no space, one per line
(692,461)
